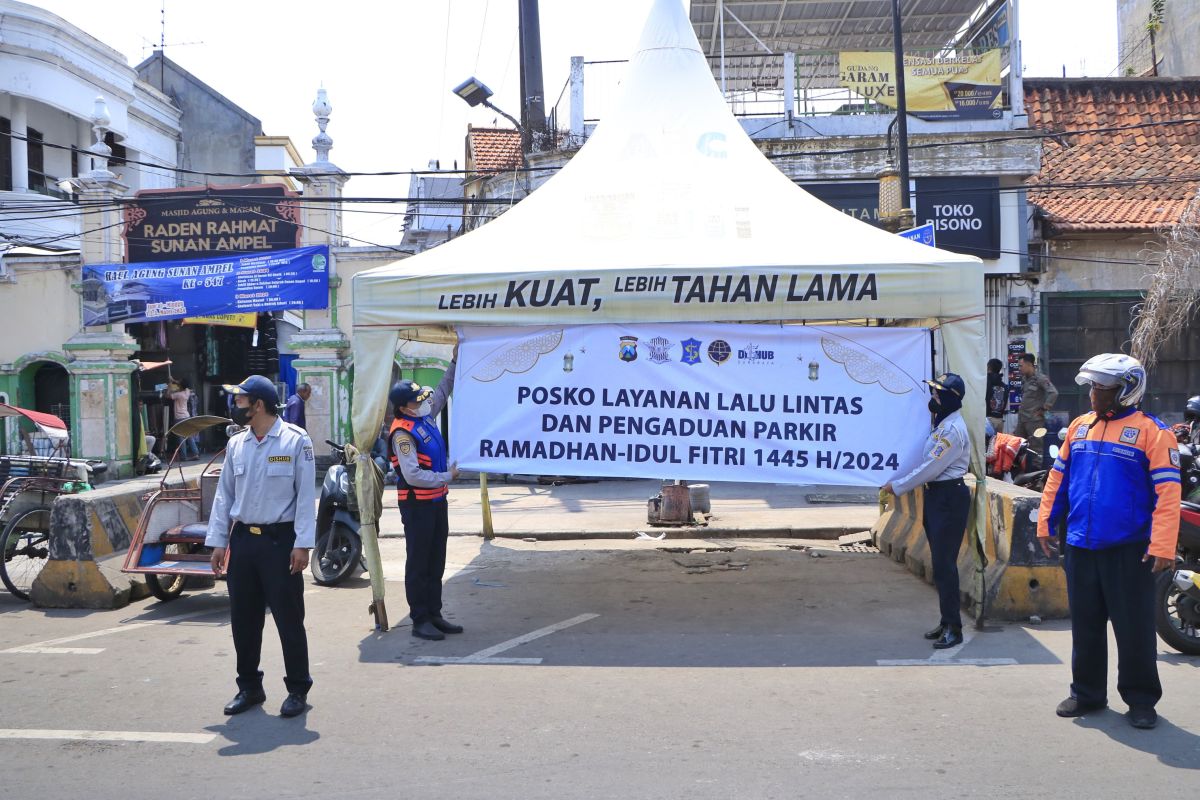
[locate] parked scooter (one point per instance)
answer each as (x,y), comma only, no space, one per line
(1177,592)
(338,551)
(1011,458)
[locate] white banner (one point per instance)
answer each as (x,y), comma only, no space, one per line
(709,401)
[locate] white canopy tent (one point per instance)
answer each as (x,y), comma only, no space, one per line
(669,189)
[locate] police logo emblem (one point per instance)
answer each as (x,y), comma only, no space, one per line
(628,349)
(660,350)
(1174,457)
(1129,435)
(405,446)
(691,351)
(719,351)
(1081,432)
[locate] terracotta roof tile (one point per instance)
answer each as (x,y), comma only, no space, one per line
(1161,152)
(494,149)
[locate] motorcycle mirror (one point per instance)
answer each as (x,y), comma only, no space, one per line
(1038,433)
(1053,451)
(1062,434)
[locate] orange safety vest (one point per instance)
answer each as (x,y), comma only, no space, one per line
(431,455)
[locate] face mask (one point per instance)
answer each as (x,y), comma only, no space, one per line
(240,415)
(424,410)
(934,405)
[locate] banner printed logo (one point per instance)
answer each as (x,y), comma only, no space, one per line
(628,349)
(719,351)
(753,356)
(660,350)
(691,351)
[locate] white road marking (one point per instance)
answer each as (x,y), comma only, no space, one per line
(109,736)
(947,658)
(486,656)
(50,646)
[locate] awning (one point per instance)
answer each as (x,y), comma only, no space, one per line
(48,424)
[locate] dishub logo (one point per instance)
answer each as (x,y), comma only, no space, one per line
(719,351)
(660,350)
(691,351)
(628,349)
(751,354)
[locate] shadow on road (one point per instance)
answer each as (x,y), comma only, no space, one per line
(730,608)
(254,732)
(1173,746)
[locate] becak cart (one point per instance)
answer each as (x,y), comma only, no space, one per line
(168,545)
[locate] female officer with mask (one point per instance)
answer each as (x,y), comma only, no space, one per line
(944,460)
(418,454)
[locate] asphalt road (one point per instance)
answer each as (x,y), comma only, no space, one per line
(588,669)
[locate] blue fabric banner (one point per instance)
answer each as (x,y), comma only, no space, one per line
(161,290)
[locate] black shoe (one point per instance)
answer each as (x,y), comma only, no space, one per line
(1144,717)
(1071,707)
(427,630)
(936,633)
(951,637)
(445,627)
(244,701)
(293,706)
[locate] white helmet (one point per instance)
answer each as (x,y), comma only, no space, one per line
(1115,369)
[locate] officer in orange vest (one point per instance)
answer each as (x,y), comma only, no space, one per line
(418,455)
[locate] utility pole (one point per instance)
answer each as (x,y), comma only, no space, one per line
(901,110)
(533,102)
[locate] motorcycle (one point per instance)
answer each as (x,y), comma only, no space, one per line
(1012,458)
(1177,592)
(338,551)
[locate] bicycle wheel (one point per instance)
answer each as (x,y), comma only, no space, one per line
(26,548)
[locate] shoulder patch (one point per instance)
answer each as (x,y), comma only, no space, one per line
(1129,435)
(406,445)
(1174,455)
(308,452)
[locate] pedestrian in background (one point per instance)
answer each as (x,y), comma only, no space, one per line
(996,395)
(944,460)
(1038,396)
(267,491)
(418,454)
(1116,484)
(181,408)
(294,413)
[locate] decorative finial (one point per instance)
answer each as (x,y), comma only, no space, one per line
(100,150)
(322,142)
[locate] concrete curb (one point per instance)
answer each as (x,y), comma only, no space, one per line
(689,532)
(89,535)
(1019,581)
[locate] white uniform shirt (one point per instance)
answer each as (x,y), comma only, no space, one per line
(266,482)
(945,456)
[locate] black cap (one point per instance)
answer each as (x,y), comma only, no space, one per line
(405,392)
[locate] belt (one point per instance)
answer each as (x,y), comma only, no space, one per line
(272,529)
(948,482)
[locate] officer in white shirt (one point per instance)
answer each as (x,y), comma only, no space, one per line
(944,460)
(264,514)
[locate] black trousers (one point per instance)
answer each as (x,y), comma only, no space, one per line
(260,578)
(1112,585)
(945,511)
(426,528)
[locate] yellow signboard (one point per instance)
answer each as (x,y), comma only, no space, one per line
(232,320)
(960,87)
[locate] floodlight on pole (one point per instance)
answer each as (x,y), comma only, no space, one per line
(475,92)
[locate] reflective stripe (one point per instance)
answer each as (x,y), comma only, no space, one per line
(1166,479)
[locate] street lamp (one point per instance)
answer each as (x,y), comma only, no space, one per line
(475,92)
